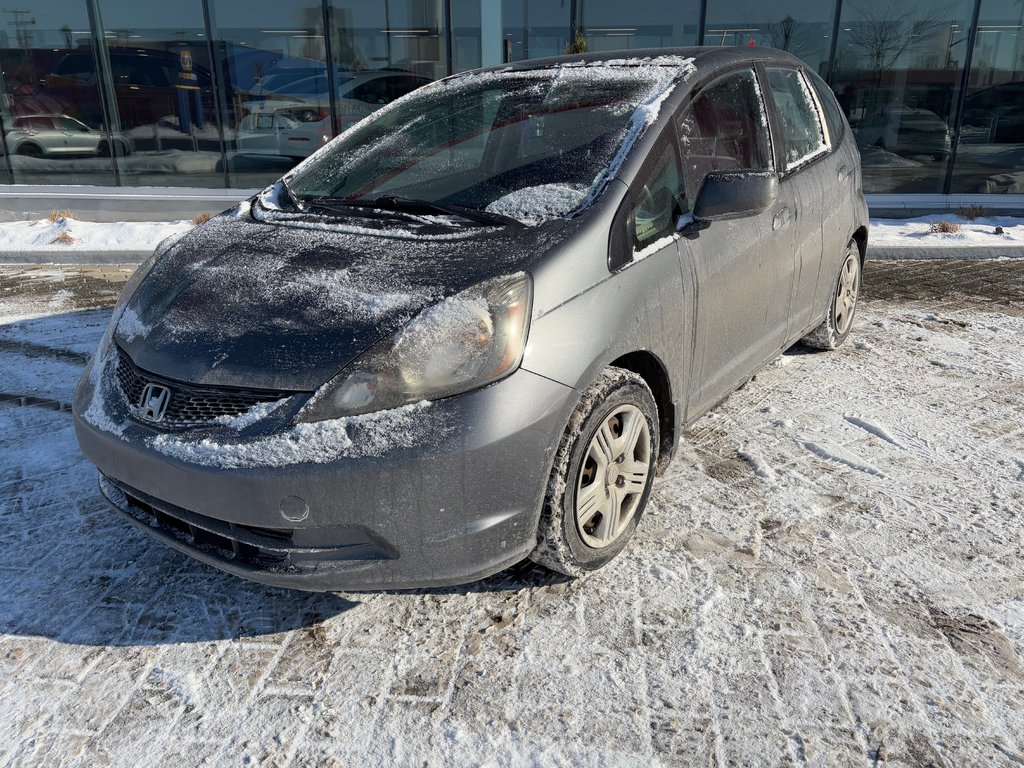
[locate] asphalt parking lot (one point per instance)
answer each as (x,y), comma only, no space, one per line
(830,574)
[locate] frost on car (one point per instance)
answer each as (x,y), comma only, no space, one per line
(472,329)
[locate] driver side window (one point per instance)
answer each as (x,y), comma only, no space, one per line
(660,200)
(724,129)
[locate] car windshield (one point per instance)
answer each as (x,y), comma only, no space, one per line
(529,145)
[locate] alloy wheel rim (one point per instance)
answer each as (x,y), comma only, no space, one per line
(846,294)
(613,476)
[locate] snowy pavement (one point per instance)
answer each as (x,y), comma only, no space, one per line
(830,574)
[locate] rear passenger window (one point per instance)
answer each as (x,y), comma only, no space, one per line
(801,129)
(724,129)
(833,116)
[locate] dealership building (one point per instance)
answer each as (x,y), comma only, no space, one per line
(205,100)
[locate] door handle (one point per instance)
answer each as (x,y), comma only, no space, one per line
(844,173)
(781,219)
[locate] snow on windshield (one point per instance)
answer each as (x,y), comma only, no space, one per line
(533,205)
(565,132)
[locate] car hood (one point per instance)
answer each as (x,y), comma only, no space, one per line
(285,305)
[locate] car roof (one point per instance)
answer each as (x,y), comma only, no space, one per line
(706,58)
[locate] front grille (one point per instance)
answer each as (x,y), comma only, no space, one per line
(190,406)
(265,548)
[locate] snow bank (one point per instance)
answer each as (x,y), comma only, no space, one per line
(917,231)
(42,235)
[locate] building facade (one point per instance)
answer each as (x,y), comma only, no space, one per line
(232,93)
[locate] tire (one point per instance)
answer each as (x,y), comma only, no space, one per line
(617,411)
(30,150)
(842,304)
(103,149)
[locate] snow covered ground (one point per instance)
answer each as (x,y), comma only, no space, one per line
(973,232)
(69,234)
(830,574)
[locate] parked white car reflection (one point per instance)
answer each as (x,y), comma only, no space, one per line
(60,135)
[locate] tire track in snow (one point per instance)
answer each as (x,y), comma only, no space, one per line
(836,454)
(34,349)
(759,465)
(26,401)
(874,428)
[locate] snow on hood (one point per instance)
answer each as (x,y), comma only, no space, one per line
(281,307)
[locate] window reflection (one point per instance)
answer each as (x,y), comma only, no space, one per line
(50,108)
(802,27)
(272,86)
(606,27)
(990,155)
(535,28)
(161,93)
(896,75)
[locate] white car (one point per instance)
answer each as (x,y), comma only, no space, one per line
(60,135)
(295,120)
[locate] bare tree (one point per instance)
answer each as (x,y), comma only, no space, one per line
(789,35)
(888,28)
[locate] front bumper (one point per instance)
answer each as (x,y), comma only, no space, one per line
(457,505)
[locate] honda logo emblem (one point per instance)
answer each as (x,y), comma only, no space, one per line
(153,402)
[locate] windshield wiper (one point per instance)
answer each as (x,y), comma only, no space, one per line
(410,205)
(292,197)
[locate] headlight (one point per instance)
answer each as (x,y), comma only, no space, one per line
(462,343)
(129,290)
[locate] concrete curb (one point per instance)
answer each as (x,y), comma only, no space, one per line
(74,257)
(957,253)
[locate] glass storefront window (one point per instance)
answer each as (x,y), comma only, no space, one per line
(272,86)
(802,27)
(465,35)
(648,24)
(51,113)
(990,154)
(213,93)
(163,116)
(384,50)
(535,28)
(896,74)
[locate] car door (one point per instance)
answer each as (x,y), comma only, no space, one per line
(839,188)
(801,146)
(743,280)
(78,139)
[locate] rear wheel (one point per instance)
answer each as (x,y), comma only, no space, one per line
(30,150)
(602,475)
(842,306)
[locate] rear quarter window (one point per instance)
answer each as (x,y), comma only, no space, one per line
(802,132)
(833,115)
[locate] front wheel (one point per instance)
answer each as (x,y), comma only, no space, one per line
(842,305)
(602,475)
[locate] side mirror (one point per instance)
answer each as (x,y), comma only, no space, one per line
(732,194)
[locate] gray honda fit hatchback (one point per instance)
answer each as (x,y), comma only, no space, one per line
(472,328)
